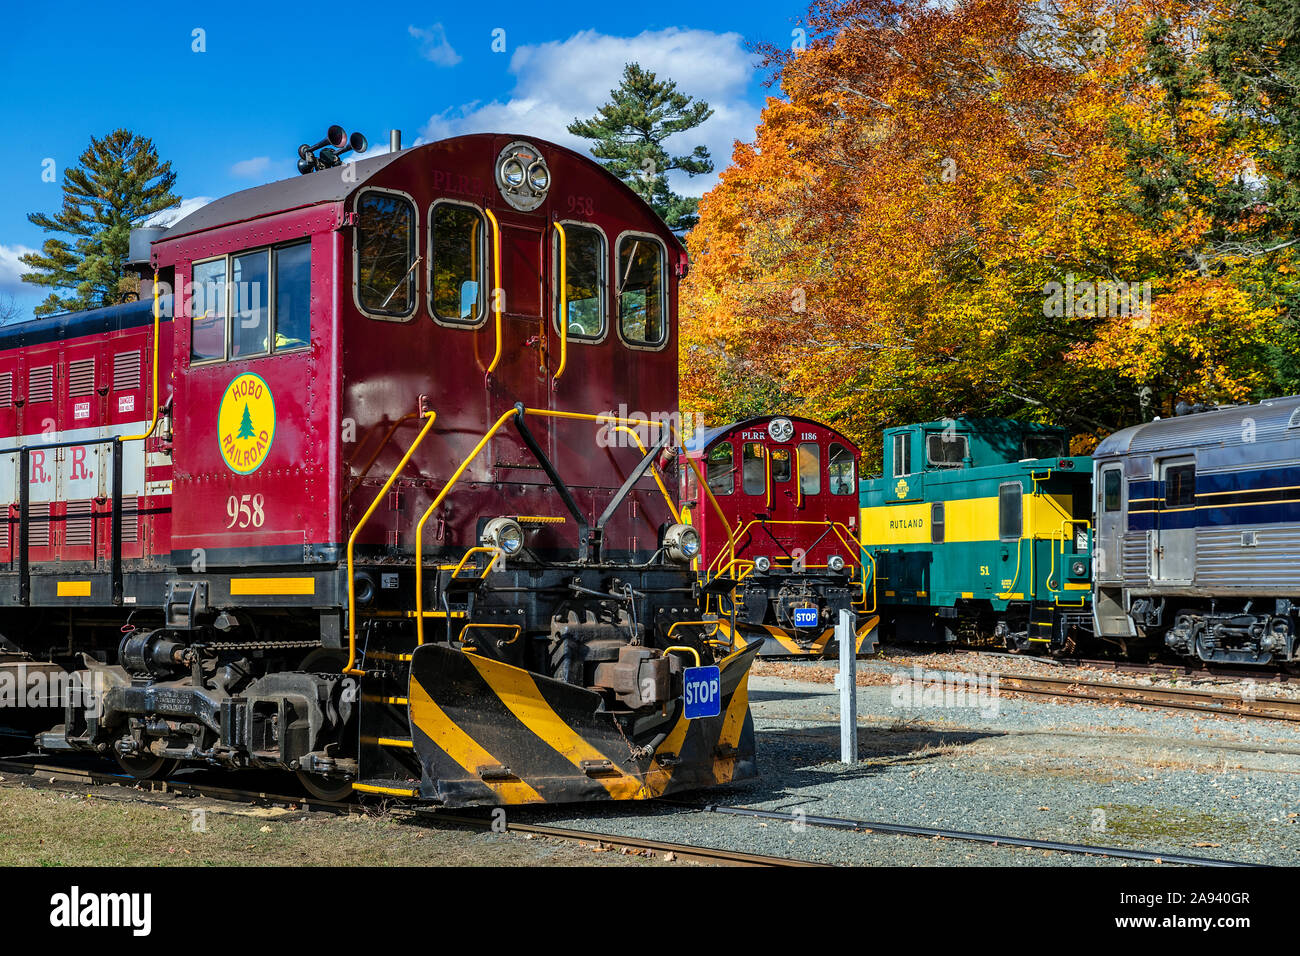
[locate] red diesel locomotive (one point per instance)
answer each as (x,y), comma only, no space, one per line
(355,510)
(778,534)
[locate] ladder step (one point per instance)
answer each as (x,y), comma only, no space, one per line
(388,788)
(404,743)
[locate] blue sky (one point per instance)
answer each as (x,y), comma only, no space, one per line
(271,77)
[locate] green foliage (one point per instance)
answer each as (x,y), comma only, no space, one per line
(628,135)
(118,182)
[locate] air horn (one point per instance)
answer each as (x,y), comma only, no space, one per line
(335,137)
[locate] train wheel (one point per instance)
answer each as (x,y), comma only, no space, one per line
(147,767)
(329,789)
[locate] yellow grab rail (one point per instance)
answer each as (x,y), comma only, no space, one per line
(498,290)
(153,420)
(654,470)
(351,667)
(564,303)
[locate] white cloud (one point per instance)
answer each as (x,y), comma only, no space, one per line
(169,217)
(11,269)
(251,168)
(561,80)
(434,45)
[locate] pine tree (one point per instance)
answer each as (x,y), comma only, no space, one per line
(246,424)
(628,135)
(117,183)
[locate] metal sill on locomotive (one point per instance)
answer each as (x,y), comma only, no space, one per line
(345,509)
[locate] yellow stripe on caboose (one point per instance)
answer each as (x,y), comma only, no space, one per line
(265,587)
(964,520)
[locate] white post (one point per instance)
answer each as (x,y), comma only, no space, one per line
(848,681)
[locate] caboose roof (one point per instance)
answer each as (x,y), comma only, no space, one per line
(310,190)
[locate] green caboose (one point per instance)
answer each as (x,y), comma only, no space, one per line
(980,528)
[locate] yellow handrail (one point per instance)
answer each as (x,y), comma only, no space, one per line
(836,526)
(153,421)
(498,290)
(564,302)
(352,540)
(767,471)
(546,413)
(1051,570)
(654,470)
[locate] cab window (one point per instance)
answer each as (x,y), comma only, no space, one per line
(457,257)
(721,470)
(753,468)
(839,468)
(584,281)
(1044,446)
(385,255)
(781,464)
(208,311)
(810,468)
(641,298)
(251,303)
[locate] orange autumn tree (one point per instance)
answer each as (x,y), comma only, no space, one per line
(943,215)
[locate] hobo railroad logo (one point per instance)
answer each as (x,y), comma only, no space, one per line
(246,423)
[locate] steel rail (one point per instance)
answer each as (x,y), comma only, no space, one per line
(682,851)
(901,829)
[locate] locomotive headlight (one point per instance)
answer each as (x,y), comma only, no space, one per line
(835,563)
(512,172)
(762,564)
(682,542)
(1078,568)
(503,533)
(539,177)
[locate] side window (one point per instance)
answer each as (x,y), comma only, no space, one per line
(1044,446)
(840,470)
(753,468)
(251,278)
(1110,489)
(385,255)
(292,296)
(208,311)
(641,298)
(943,450)
(457,263)
(721,470)
(584,281)
(1010,513)
(810,468)
(902,455)
(1180,486)
(936,522)
(780,464)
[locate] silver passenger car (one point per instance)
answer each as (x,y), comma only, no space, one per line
(1198,533)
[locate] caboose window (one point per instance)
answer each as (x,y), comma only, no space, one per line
(208,311)
(584,279)
(385,254)
(936,523)
(641,298)
(839,469)
(251,290)
(1010,511)
(944,450)
(753,465)
(1044,446)
(721,470)
(810,468)
(457,258)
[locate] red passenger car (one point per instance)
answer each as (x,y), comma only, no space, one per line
(380,531)
(778,533)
